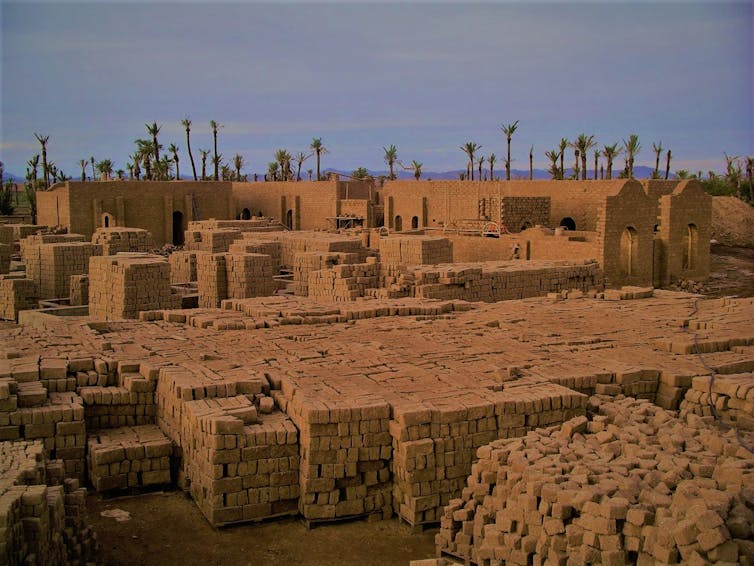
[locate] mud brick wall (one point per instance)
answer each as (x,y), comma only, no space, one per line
(120,286)
(256,246)
(79,294)
(128,457)
(51,265)
(294,243)
(211,240)
(345,452)
(255,224)
(182,267)
(117,239)
(240,469)
(608,490)
(345,282)
(5,253)
(304,263)
(17,295)
(249,275)
(519,212)
(732,397)
(415,250)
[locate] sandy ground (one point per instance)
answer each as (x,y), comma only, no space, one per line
(167,528)
(731,272)
(732,222)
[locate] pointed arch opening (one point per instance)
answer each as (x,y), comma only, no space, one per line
(178,228)
(690,246)
(629,248)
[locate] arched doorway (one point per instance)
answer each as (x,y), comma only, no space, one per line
(629,247)
(690,246)
(245,214)
(107,220)
(178,228)
(568,223)
(398,223)
(289,219)
(414,222)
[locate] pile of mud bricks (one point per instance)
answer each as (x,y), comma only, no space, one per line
(115,240)
(630,484)
(6,248)
(51,259)
(306,262)
(223,276)
(42,515)
(122,285)
(16,295)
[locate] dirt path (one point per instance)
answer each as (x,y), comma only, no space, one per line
(167,529)
(731,272)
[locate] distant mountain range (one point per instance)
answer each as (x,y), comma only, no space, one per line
(640,172)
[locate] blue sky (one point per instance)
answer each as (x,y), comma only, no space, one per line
(426,77)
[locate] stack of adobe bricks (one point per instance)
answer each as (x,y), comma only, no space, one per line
(255,224)
(415,250)
(634,484)
(122,285)
(240,469)
(343,282)
(249,275)
(731,395)
(50,261)
(499,281)
(294,243)
(306,262)
(121,239)
(345,449)
(257,246)
(128,457)
(17,295)
(79,294)
(29,412)
(435,438)
(182,267)
(43,517)
(232,276)
(211,240)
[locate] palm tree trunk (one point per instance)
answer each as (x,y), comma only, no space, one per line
(583,165)
(45,171)
(562,164)
(319,176)
(667,166)
(609,166)
(94,171)
(471,168)
(602,172)
(191,157)
(657,164)
(531,165)
(508,160)
(298,172)
(596,165)
(214,135)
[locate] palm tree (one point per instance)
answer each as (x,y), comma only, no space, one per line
(187,124)
(563,146)
(272,170)
(683,174)
(33,163)
(130,167)
(153,129)
(576,166)
(174,150)
(631,147)
(491,160)
(667,165)
(417,168)
(610,152)
(310,172)
(470,148)
(391,156)
(238,162)
(145,150)
(204,153)
(214,125)
(318,149)
(217,160)
(94,172)
(105,167)
(531,163)
(657,148)
(361,174)
(45,170)
(509,130)
(137,169)
(300,157)
(284,159)
(582,144)
(480,162)
(596,162)
(83,163)
(553,156)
